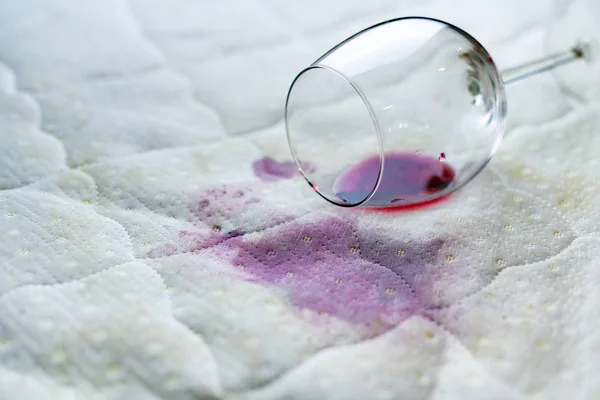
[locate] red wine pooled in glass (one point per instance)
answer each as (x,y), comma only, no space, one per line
(408,178)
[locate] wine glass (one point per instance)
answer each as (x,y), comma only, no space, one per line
(404,112)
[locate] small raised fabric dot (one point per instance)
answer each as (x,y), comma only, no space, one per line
(508,227)
(540,344)
(113,371)
(418,375)
(424,380)
(353,249)
(338,281)
(377,323)
(553,267)
(58,357)
(146,244)
(56,218)
(429,334)
(11,214)
(216,228)
(252,342)
(477,343)
(488,296)
(449,257)
(23,252)
(172,382)
(561,203)
(389,290)
(584,127)
(154,349)
(306,238)
(289,273)
(400,252)
(556,234)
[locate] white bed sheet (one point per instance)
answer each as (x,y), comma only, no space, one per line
(133,265)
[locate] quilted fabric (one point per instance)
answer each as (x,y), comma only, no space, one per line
(156,242)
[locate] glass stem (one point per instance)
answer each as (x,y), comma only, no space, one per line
(535,67)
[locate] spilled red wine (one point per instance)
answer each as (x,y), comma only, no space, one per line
(407,178)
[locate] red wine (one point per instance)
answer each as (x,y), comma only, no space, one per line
(408,178)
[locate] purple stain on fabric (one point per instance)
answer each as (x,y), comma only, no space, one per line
(218,215)
(268,169)
(319,263)
(222,203)
(324,263)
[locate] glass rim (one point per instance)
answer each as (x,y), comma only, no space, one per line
(374,121)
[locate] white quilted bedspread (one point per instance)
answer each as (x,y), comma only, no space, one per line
(150,250)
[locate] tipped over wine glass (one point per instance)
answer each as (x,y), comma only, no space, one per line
(404,112)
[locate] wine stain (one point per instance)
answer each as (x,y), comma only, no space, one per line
(270,170)
(324,263)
